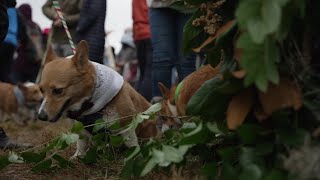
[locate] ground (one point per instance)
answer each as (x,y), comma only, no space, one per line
(40,132)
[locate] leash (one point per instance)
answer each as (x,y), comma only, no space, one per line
(66,29)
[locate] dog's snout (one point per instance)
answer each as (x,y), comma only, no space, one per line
(43,116)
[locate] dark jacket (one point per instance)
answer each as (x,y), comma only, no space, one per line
(4,23)
(25,63)
(91,28)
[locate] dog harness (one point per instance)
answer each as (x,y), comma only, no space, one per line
(19,95)
(108,84)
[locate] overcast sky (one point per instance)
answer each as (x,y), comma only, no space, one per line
(118,18)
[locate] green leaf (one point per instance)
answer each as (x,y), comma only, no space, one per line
(214,57)
(213,127)
(127,169)
(248,156)
(42,166)
(257,30)
(252,172)
(212,99)
(228,172)
(114,126)
(247,10)
(264,148)
(132,152)
(271,15)
(291,136)
(77,127)
(227,154)
(275,174)
(4,162)
(210,169)
(182,7)
(259,61)
(99,124)
(99,138)
(197,136)
(62,162)
(196,2)
(192,36)
(153,109)
(31,157)
(69,138)
(173,154)
(148,167)
(116,140)
(14,158)
(249,133)
(91,156)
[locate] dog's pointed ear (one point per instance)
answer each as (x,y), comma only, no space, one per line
(51,55)
(164,90)
(81,58)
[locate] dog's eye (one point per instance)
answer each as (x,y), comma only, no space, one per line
(57,91)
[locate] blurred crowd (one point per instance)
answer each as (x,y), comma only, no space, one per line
(151,50)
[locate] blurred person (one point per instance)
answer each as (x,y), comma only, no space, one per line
(142,39)
(45,36)
(27,64)
(166,35)
(71,12)
(5,141)
(11,41)
(91,28)
(126,60)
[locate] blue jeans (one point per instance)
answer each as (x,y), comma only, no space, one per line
(166,35)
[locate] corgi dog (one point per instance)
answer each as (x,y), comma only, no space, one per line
(77,88)
(19,102)
(176,98)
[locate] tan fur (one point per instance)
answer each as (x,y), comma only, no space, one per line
(9,107)
(76,77)
(190,85)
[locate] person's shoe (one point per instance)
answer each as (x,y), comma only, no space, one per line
(7,143)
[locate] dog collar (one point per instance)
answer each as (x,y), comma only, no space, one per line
(19,95)
(108,84)
(176,93)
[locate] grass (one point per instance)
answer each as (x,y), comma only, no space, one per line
(40,132)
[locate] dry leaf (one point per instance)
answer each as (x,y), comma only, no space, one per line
(222,30)
(238,108)
(237,54)
(286,94)
(239,74)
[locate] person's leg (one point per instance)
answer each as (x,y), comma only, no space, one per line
(186,63)
(162,37)
(144,55)
(6,54)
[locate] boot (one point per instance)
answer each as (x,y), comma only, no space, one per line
(7,143)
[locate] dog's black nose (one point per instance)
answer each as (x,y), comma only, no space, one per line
(43,116)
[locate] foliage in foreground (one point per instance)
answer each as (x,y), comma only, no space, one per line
(257,120)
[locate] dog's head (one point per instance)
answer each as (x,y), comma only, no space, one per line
(66,83)
(169,109)
(31,93)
